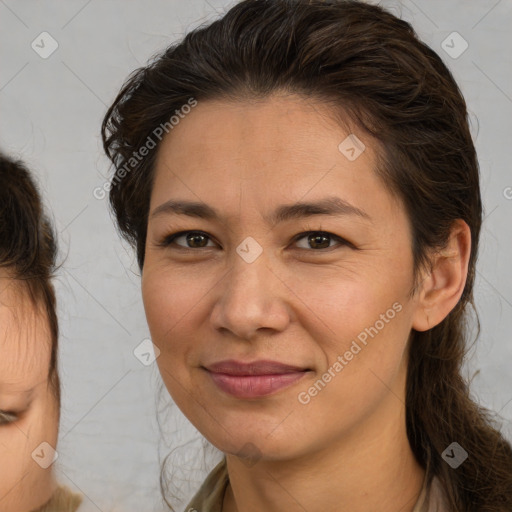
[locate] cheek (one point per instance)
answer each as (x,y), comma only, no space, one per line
(359,380)
(371,326)
(337,307)
(168,297)
(174,303)
(15,455)
(30,485)
(364,352)
(169,301)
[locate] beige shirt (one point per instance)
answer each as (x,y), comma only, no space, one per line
(63,500)
(210,496)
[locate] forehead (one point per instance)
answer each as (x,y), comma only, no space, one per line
(25,340)
(240,154)
(255,135)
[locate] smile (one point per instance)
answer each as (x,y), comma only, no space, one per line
(254,386)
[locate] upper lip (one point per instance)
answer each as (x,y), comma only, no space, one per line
(262,367)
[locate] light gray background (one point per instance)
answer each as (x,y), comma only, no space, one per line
(51,110)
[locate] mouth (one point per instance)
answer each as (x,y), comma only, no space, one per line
(254,380)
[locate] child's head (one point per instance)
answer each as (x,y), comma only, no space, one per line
(29,383)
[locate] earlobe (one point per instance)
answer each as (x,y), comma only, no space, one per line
(442,287)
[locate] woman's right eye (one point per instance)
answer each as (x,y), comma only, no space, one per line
(196,239)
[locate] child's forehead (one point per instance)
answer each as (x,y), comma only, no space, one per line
(25,340)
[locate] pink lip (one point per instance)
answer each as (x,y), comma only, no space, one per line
(253,380)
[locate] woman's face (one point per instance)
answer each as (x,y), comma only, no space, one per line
(28,407)
(253,286)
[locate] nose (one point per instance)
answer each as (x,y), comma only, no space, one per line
(251,298)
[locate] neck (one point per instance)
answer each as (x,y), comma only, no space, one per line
(370,468)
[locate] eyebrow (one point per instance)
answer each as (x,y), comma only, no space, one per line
(327,206)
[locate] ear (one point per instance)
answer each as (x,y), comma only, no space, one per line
(442,287)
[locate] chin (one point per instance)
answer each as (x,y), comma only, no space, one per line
(251,445)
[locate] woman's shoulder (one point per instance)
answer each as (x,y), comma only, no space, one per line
(210,496)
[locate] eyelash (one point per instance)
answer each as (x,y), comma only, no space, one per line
(169,240)
(7,417)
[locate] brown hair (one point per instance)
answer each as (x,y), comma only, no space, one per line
(27,246)
(368,64)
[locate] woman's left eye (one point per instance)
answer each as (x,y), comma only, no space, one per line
(317,240)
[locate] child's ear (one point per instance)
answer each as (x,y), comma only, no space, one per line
(441,288)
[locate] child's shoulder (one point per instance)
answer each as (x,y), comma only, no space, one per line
(63,500)
(66,500)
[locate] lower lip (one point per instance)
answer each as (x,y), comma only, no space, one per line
(254,386)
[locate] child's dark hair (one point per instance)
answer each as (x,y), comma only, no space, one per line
(28,246)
